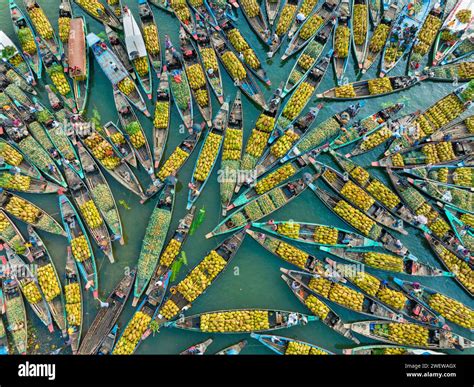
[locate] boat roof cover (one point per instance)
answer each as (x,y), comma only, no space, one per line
(133,37)
(77,48)
(5,41)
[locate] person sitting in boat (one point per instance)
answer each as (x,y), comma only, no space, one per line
(194,189)
(124,110)
(272,224)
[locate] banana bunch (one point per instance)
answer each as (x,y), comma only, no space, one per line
(209,59)
(354,217)
(202,97)
(359,27)
(117,138)
(320,285)
(235,321)
(10,154)
(72,293)
(384,261)
(73,313)
(341,43)
(253,211)
(292,254)
(170,253)
(56,73)
(290,229)
(284,144)
(444,111)
(102,151)
(250,7)
(452,310)
(367,282)
(22,209)
(357,195)
(32,293)
(132,334)
(257,143)
(377,138)
(232,144)
(181,10)
(298,100)
(439,227)
(316,306)
(15,182)
(461,268)
(305,61)
(141,65)
(169,309)
(195,76)
(265,123)
(345,91)
(150,35)
(196,3)
(383,194)
(392,53)
(319,134)
(161,119)
(311,26)
(126,86)
(466,70)
(48,282)
(64,24)
(237,40)
(137,139)
(173,163)
(234,66)
(307,6)
(27,40)
(394,351)
(251,59)
(464,177)
(360,174)
(467,219)
(427,34)
(94,7)
(91,214)
(274,178)
(397,160)
(15,60)
(80,248)
(379,86)
(286,17)
(407,334)
(207,157)
(326,235)
(41,23)
(464,15)
(347,297)
(392,298)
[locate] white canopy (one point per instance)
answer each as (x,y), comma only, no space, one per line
(133,37)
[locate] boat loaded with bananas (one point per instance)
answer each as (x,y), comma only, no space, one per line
(457,130)
(11,235)
(462,224)
(116,72)
(100,12)
(285,19)
(78,61)
(450,175)
(106,318)
(15,59)
(461,49)
(387,350)
(14,157)
(342,41)
(272,7)
(14,180)
(460,71)
(263,205)
(117,46)
(200,278)
(220,10)
(208,154)
(183,14)
(161,119)
(65,16)
(121,144)
(150,35)
(80,246)
(287,346)
(197,349)
(116,7)
(254,15)
(154,239)
(9,77)
(360,29)
(416,335)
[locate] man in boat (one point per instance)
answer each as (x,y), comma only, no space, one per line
(193,188)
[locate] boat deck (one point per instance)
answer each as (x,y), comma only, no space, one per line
(77,50)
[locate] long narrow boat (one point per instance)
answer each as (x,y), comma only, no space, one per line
(150,35)
(387,350)
(254,15)
(183,14)
(415,335)
(287,346)
(17,323)
(202,13)
(197,349)
(116,7)
(3,337)
(450,175)
(106,318)
(161,120)
(154,239)
(375,12)
(439,303)
(25,33)
(9,77)
(48,279)
(15,159)
(459,71)
(11,235)
(65,16)
(458,130)
(462,225)
(208,154)
(16,180)
(263,205)
(74,302)
(133,129)
(100,12)
(137,52)
(108,343)
(400,43)
(285,18)
(15,59)
(233,349)
(195,74)
(462,49)
(162,4)
(78,60)
(220,10)
(272,7)
(188,290)
(116,72)
(80,245)
(179,84)
(342,41)
(121,144)
(118,47)
(360,30)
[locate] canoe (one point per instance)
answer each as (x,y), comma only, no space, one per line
(263,205)
(285,345)
(3,338)
(368,88)
(209,60)
(179,84)
(219,11)
(74,302)
(9,77)
(154,239)
(461,225)
(28,284)
(195,74)
(341,34)
(11,235)
(399,43)
(208,154)
(108,343)
(116,72)
(161,121)
(116,7)
(452,72)
(271,320)
(161,4)
(120,143)
(9,176)
(314,234)
(253,13)
(84,258)
(272,8)
(197,349)
(387,350)
(435,337)
(231,153)
(188,290)
(133,130)
(462,49)
(457,130)
(26,36)
(16,319)
(360,29)
(374,231)
(106,318)
(183,13)
(100,12)
(117,46)
(203,13)
(17,161)
(439,303)
(65,16)
(233,349)
(375,12)
(150,35)
(15,59)
(407,264)
(450,175)
(334,289)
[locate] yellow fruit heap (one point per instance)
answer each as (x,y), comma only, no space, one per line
(22,209)
(235,321)
(174,162)
(354,217)
(292,254)
(232,144)
(316,306)
(196,3)
(27,40)
(452,310)
(94,7)
(379,86)
(345,91)
(141,65)
(377,41)
(257,143)
(357,195)
(423,127)
(296,348)
(392,54)
(209,59)
(290,229)
(360,175)
(102,150)
(347,297)
(170,253)
(237,40)
(91,214)
(464,15)
(286,17)
(132,334)
(234,66)
(405,334)
(384,261)
(397,160)
(326,235)
(152,43)
(307,6)
(181,10)
(59,80)
(298,101)
(367,282)
(4,223)
(126,86)
(201,276)
(32,293)
(464,177)
(169,309)
(467,219)
(202,97)
(305,61)
(427,35)
(284,144)
(274,178)
(311,26)
(392,298)
(444,111)
(341,44)
(207,157)
(162,115)
(251,59)
(320,285)
(64,24)
(15,182)
(383,194)
(250,7)
(394,351)
(80,248)
(265,123)
(195,76)
(41,23)
(460,268)
(377,138)
(466,71)
(359,28)
(438,153)
(72,294)
(48,282)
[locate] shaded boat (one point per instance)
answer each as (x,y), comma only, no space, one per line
(197,349)
(272,7)
(65,16)
(387,350)
(100,12)
(15,313)
(117,45)
(451,72)
(233,349)
(74,302)
(457,130)
(108,343)
(282,345)
(15,59)
(10,174)
(360,42)
(182,12)
(120,143)
(343,23)
(151,35)
(161,123)
(462,49)
(258,23)
(106,318)
(13,237)
(450,175)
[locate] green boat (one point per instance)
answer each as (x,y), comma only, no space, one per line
(16,180)
(10,54)
(457,130)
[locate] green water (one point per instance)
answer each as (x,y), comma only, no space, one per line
(253,277)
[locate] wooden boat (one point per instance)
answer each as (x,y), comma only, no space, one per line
(343,22)
(375,12)
(149,26)
(3,339)
(253,211)
(450,72)
(258,23)
(162,4)
(387,350)
(25,33)
(9,78)
(218,11)
(461,225)
(78,60)
(281,345)
(435,337)
(457,130)
(120,143)
(409,21)
(137,52)
(231,152)
(108,343)
(190,59)
(179,83)
(44,261)
(208,154)
(100,12)
(362,88)
(34,185)
(133,130)
(186,291)
(274,319)
(360,45)
(197,349)
(365,304)
(15,59)
(65,15)
(72,285)
(116,7)
(115,71)
(106,318)
(75,229)
(233,349)
(449,175)
(461,50)
(117,46)
(11,235)
(459,313)
(23,164)
(154,239)
(307,233)
(272,7)
(27,281)
(183,14)
(161,124)
(16,319)
(247,85)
